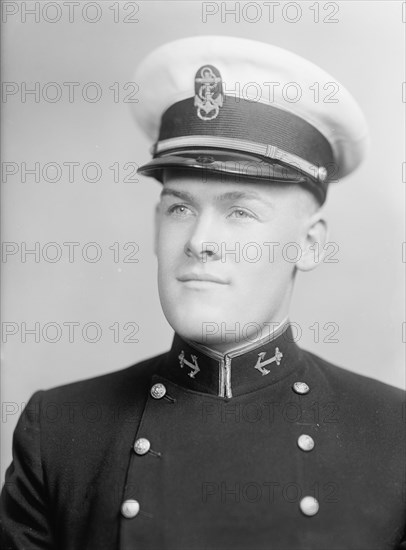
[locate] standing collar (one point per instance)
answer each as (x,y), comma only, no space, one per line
(236,372)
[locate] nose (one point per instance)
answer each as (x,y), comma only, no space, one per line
(201,243)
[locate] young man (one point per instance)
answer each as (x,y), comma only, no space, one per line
(235,438)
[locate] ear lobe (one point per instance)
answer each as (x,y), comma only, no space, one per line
(156,228)
(313,247)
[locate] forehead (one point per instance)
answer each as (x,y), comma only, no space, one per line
(216,187)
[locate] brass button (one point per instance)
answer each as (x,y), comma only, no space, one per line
(130,508)
(158,391)
(142,446)
(301,388)
(309,506)
(305,442)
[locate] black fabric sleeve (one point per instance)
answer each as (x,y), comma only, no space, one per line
(24,510)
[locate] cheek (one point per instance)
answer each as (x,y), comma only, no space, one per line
(261,283)
(265,260)
(170,245)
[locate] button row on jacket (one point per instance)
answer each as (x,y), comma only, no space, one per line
(130,508)
(309,506)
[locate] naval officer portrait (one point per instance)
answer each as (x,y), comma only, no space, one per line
(176,461)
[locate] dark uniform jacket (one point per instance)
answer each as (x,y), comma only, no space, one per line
(267,448)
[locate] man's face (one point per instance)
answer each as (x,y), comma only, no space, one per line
(226,254)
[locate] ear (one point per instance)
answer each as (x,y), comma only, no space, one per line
(313,245)
(156,228)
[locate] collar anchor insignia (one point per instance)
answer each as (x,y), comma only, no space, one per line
(194,366)
(260,365)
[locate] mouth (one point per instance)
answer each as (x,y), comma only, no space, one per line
(201,278)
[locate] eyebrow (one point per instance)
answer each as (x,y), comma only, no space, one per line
(229,195)
(184,195)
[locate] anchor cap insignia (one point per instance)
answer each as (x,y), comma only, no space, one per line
(209,95)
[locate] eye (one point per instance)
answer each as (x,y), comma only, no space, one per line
(241,213)
(179,210)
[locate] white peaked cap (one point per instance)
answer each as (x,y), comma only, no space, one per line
(221,95)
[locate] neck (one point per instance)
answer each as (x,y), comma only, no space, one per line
(270,331)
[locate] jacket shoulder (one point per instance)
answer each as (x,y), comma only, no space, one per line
(113,384)
(352,382)
(363,401)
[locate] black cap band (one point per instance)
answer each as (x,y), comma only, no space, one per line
(240,119)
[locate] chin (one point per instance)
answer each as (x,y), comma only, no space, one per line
(200,323)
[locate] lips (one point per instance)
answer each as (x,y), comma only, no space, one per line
(202,277)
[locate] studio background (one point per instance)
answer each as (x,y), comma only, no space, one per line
(362,293)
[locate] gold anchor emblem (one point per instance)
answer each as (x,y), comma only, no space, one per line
(261,364)
(194,366)
(208,92)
